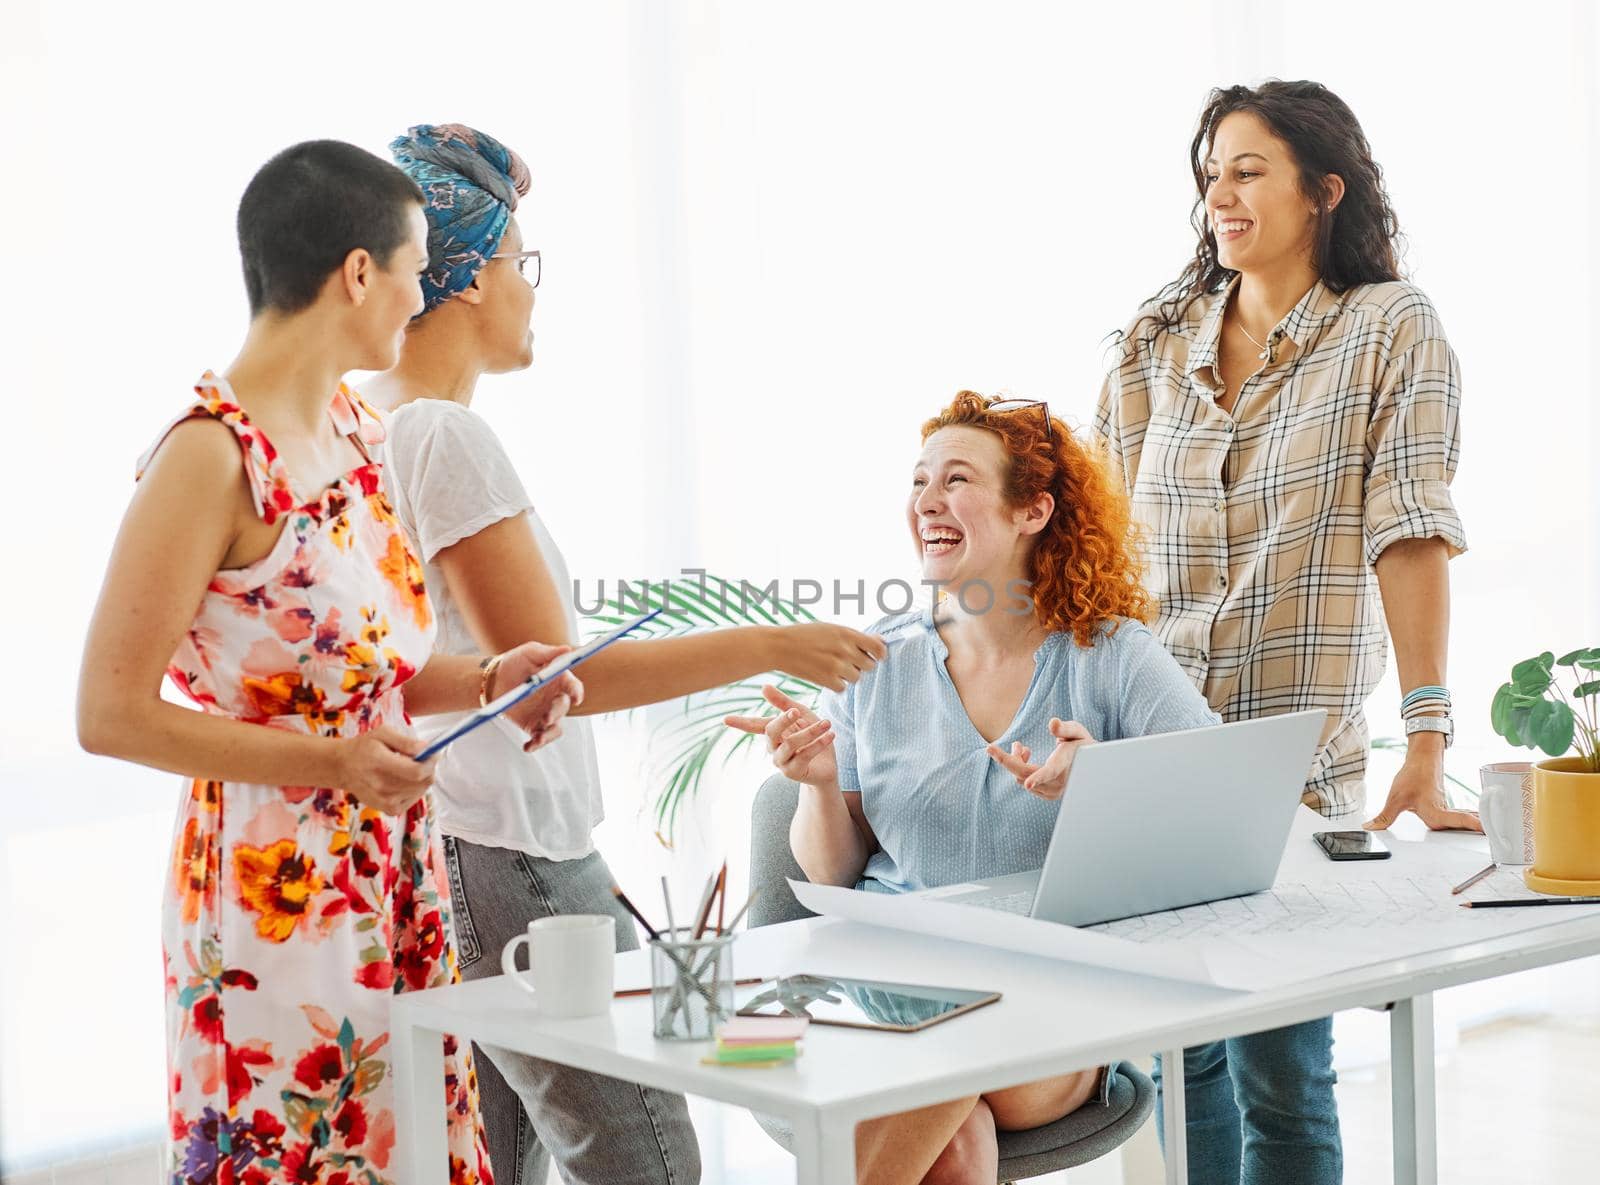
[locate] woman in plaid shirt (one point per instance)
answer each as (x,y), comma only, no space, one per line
(1285,418)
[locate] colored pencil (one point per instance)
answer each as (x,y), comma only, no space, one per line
(722,895)
(702,915)
(616,891)
(1472,880)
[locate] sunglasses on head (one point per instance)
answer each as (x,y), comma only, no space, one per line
(1005,405)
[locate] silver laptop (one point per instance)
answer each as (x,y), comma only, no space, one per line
(1165,821)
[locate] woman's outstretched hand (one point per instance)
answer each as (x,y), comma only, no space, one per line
(1048,781)
(828,655)
(800,741)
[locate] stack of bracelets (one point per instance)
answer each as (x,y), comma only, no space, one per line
(1427,709)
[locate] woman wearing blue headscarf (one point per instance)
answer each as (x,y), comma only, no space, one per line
(519,829)
(470,185)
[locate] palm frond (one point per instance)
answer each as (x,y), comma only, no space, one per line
(681,746)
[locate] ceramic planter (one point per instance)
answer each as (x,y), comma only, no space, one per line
(1566,829)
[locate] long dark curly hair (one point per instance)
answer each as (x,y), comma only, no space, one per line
(1359,243)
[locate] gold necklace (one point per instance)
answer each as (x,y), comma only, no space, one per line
(1266,351)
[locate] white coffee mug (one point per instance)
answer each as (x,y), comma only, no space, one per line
(1505,808)
(570,957)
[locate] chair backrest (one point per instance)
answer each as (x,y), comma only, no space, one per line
(772,861)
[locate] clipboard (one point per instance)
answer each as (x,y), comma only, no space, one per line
(526,688)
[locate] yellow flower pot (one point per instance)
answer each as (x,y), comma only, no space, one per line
(1566,829)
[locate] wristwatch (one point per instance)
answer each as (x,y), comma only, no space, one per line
(1442,724)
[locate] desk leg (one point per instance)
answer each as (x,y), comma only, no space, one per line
(1174,1121)
(419,1103)
(1416,1155)
(825,1150)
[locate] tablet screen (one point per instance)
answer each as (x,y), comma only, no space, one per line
(862,1003)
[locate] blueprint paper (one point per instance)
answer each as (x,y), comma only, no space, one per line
(986,927)
(1318,919)
(1299,931)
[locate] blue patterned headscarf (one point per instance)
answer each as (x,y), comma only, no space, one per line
(471,183)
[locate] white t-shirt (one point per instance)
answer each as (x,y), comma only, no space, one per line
(449,478)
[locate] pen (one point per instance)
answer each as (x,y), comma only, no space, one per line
(1531,901)
(1472,880)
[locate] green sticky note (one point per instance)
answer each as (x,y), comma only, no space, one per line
(755,1053)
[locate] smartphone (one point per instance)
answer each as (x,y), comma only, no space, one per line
(1351,845)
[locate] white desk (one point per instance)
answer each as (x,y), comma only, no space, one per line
(1055,1017)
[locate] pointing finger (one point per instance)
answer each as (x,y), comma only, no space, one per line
(778,699)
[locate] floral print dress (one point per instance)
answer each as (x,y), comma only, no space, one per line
(292,914)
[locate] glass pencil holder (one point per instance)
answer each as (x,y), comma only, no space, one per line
(691,985)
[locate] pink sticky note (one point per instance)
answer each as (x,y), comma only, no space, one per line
(762,1030)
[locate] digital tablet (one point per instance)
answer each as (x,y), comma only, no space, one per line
(862,1003)
(526,688)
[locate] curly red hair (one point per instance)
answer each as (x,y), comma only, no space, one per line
(1084,565)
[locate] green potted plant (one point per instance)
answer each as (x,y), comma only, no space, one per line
(1532,710)
(683,745)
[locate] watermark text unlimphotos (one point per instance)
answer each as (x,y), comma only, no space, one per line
(889,597)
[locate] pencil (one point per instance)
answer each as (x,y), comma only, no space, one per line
(616,891)
(666,895)
(737,918)
(1472,880)
(722,895)
(1531,901)
(702,916)
(745,908)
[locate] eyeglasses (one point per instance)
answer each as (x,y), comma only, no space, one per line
(1004,405)
(523,258)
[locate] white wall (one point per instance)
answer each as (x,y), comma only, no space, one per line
(776,238)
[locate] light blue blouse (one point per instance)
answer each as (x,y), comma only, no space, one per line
(943,810)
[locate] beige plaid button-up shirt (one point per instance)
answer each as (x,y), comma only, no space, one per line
(1262,527)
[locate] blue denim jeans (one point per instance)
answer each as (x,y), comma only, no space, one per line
(1260,1108)
(601,1131)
